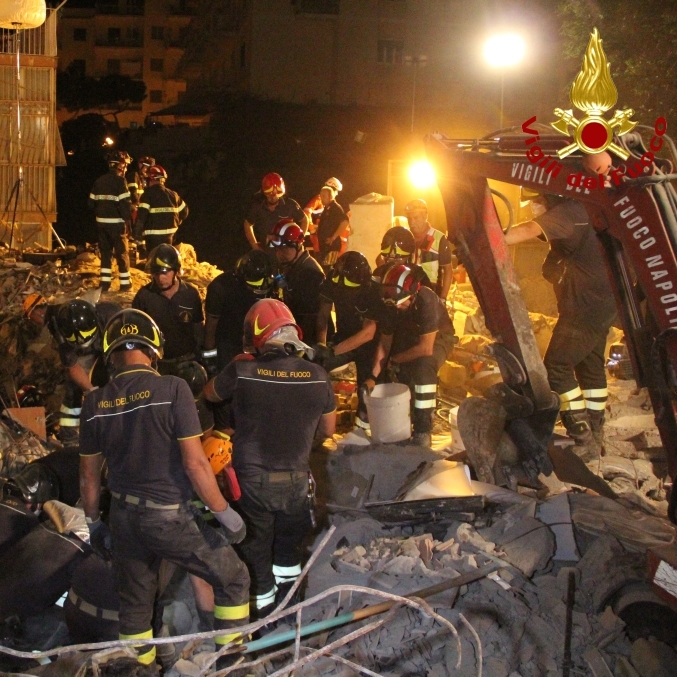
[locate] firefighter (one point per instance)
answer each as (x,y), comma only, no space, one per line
(269,206)
(349,292)
(174,305)
(313,211)
(110,200)
(333,225)
(586,304)
(301,276)
(414,342)
(229,298)
(161,212)
(77,330)
(433,252)
(278,401)
(137,180)
(145,427)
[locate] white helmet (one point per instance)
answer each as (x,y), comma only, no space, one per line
(334,183)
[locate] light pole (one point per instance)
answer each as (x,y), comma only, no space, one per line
(502,51)
(417,62)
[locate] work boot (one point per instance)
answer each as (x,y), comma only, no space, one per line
(578,426)
(125,288)
(165,653)
(205,623)
(420,439)
(597,426)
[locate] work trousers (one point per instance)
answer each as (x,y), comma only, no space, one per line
(421,377)
(71,405)
(275,509)
(143,537)
(363,357)
(153,241)
(223,416)
(112,240)
(575,365)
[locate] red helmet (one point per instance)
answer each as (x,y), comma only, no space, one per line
(399,282)
(265,317)
(272,183)
(287,233)
(156,172)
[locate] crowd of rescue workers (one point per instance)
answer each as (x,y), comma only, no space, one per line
(195,425)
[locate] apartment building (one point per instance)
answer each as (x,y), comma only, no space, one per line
(144,39)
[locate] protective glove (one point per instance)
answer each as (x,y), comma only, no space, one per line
(369,385)
(100,539)
(323,354)
(233,527)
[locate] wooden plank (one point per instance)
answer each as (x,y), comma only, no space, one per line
(32,418)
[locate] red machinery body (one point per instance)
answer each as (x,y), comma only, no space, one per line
(636,224)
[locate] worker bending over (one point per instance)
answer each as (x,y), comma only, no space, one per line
(146,429)
(278,400)
(349,292)
(416,335)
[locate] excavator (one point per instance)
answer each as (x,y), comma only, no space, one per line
(635,218)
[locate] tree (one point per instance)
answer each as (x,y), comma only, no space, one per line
(111,93)
(638,39)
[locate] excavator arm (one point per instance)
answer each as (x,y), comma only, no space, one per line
(636,222)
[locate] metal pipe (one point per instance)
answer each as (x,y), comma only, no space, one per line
(352,616)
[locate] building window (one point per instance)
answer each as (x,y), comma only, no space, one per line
(157,65)
(113,66)
(80,34)
(243,55)
(135,6)
(316,6)
(78,67)
(156,96)
(390,51)
(157,32)
(114,36)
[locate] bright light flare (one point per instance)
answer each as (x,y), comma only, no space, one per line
(109,141)
(422,174)
(504,50)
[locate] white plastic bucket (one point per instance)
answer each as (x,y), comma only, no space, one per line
(456,441)
(388,410)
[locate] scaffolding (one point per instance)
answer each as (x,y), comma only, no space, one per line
(30,145)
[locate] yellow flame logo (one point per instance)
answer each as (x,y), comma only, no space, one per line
(594,93)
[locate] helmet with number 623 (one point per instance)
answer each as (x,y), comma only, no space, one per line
(132,329)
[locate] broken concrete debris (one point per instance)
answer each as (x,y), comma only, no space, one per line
(518,611)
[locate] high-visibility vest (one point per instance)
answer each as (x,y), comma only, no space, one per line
(428,254)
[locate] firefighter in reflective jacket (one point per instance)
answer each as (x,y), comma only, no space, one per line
(110,200)
(161,211)
(414,342)
(278,400)
(151,478)
(433,251)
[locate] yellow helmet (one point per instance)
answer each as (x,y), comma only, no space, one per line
(218,451)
